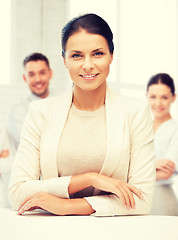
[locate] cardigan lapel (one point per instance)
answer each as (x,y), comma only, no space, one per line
(115,115)
(57,116)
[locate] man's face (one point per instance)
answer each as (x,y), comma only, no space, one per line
(37,75)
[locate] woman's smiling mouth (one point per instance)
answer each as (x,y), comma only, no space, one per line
(89,76)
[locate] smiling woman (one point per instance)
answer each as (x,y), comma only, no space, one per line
(161,95)
(91,149)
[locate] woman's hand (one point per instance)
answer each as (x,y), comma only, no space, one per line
(124,191)
(162,175)
(55,205)
(165,165)
(43,201)
(164,169)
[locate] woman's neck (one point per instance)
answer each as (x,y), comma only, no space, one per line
(89,100)
(158,121)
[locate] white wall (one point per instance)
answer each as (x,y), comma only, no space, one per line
(37,26)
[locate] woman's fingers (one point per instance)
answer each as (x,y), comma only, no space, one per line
(125,192)
(162,174)
(136,191)
(119,193)
(24,202)
(170,165)
(45,201)
(165,164)
(130,201)
(167,169)
(29,205)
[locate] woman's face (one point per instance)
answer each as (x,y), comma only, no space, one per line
(160,99)
(88,59)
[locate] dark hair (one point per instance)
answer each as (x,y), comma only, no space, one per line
(163,78)
(36,57)
(92,23)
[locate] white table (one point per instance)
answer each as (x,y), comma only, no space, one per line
(42,226)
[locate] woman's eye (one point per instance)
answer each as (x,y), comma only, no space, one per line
(98,53)
(76,55)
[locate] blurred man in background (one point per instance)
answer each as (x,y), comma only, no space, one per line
(37,75)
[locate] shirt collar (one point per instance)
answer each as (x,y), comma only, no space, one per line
(32,96)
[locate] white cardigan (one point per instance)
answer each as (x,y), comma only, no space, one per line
(129,156)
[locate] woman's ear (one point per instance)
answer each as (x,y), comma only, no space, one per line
(112,55)
(64,60)
(174,98)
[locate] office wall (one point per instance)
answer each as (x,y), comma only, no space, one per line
(36,26)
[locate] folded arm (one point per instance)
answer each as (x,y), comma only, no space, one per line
(51,203)
(164,169)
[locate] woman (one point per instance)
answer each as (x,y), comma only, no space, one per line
(93,149)
(161,94)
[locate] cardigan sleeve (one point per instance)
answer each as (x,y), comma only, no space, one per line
(26,173)
(141,170)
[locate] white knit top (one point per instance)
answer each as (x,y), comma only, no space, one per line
(82,147)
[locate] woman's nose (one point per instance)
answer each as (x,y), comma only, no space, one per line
(158,102)
(88,64)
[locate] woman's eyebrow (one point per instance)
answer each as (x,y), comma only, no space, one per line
(98,49)
(95,50)
(75,51)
